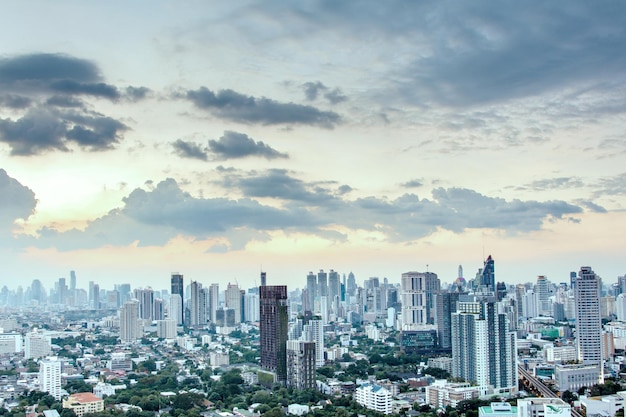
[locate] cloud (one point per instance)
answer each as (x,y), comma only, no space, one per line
(313,89)
(239,145)
(556,183)
(64,101)
(14,101)
(17,202)
(41,130)
(413,184)
(186,149)
(37,69)
(93,89)
(231,105)
(593,206)
(615,185)
(154,216)
(481,54)
(277,183)
(136,93)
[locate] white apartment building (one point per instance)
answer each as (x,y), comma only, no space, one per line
(50,377)
(36,346)
(374,397)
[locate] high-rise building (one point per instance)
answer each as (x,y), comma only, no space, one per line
(232,299)
(446,305)
(334,287)
(177,287)
(166,328)
(273,327)
(131,328)
(488,275)
(300,364)
(50,377)
(418,292)
(588,321)
(311,286)
(263,279)
(351,289)
(251,307)
(198,305)
(322,283)
(145,296)
(314,332)
(542,288)
(176,309)
(483,347)
(214,302)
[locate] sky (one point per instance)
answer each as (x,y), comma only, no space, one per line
(218,139)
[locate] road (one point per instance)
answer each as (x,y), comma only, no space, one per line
(541,388)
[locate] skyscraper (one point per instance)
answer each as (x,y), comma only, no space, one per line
(322,283)
(130,324)
(483,347)
(587,295)
(214,302)
(145,296)
(446,305)
(418,292)
(488,276)
(232,299)
(311,286)
(273,326)
(177,287)
(198,304)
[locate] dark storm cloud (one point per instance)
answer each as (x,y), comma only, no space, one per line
(232,105)
(17,202)
(239,145)
(14,101)
(187,149)
(42,129)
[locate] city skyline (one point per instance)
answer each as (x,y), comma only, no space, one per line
(220,140)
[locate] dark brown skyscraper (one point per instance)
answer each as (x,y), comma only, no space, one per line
(273,322)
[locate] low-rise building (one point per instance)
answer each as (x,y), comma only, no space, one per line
(574,377)
(84,403)
(543,407)
(374,397)
(442,393)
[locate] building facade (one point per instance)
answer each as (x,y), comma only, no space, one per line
(273,327)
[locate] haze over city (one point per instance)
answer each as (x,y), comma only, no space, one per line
(218,140)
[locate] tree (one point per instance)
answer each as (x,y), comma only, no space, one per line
(568,396)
